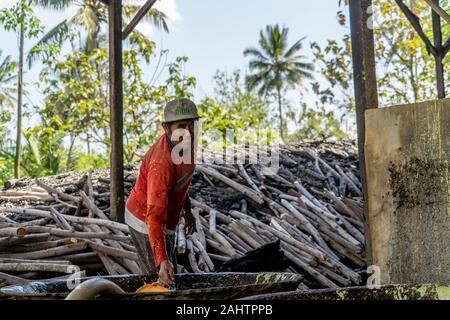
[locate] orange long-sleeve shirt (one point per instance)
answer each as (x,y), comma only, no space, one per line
(156,198)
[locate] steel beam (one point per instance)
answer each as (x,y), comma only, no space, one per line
(365,84)
(116,109)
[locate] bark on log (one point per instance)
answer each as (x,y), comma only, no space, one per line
(113,251)
(25,267)
(11,280)
(82,220)
(46,253)
(239,187)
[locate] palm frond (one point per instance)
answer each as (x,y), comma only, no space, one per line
(34,146)
(259,79)
(278,40)
(154,16)
(53,4)
(89,19)
(254,52)
(6,62)
(265,45)
(283,38)
(259,65)
(8,79)
(275,65)
(56,35)
(295,48)
(303,66)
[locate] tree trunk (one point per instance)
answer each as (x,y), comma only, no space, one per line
(19,103)
(280,112)
(88,142)
(69,153)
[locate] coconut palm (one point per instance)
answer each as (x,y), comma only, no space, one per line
(90,16)
(7,80)
(274,67)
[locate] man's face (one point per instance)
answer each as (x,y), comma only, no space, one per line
(179,131)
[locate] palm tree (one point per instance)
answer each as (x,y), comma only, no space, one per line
(90,16)
(276,67)
(7,79)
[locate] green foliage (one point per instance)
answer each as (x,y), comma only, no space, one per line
(318,123)
(6,168)
(86,161)
(7,89)
(232,107)
(276,67)
(43,153)
(19,14)
(407,69)
(76,101)
(90,16)
(334,97)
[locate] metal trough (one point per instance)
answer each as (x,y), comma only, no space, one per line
(201,286)
(388,292)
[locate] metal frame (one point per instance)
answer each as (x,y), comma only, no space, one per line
(365,81)
(437,48)
(365,84)
(116,36)
(366,93)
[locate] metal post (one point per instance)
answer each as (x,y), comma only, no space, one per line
(365,83)
(116,109)
(437,35)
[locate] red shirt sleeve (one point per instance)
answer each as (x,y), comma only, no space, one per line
(159,181)
(156,226)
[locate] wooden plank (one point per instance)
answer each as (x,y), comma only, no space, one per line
(407,163)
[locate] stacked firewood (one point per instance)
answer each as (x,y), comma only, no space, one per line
(311,206)
(56,229)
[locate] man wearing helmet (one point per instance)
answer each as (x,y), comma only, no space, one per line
(161,192)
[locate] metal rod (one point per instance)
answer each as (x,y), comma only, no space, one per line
(437,8)
(137,18)
(437,35)
(415,23)
(116,109)
(365,83)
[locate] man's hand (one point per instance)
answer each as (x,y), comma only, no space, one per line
(166,273)
(190,222)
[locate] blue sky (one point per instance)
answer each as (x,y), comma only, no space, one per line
(213,33)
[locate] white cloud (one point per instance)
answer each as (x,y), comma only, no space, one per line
(7,3)
(169,7)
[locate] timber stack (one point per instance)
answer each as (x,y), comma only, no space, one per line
(305,216)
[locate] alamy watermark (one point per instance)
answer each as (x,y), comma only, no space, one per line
(374,277)
(228,147)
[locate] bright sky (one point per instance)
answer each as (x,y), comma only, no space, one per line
(213,33)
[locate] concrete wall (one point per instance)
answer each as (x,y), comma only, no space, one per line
(407,160)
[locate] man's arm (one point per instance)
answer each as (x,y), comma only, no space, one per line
(156,225)
(159,181)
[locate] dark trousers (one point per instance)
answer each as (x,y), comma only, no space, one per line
(145,254)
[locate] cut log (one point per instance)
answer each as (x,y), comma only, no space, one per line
(239,187)
(46,253)
(82,220)
(25,267)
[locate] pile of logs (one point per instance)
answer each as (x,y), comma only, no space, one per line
(311,208)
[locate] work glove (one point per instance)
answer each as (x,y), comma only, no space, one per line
(166,273)
(190,222)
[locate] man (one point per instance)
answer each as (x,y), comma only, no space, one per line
(161,192)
